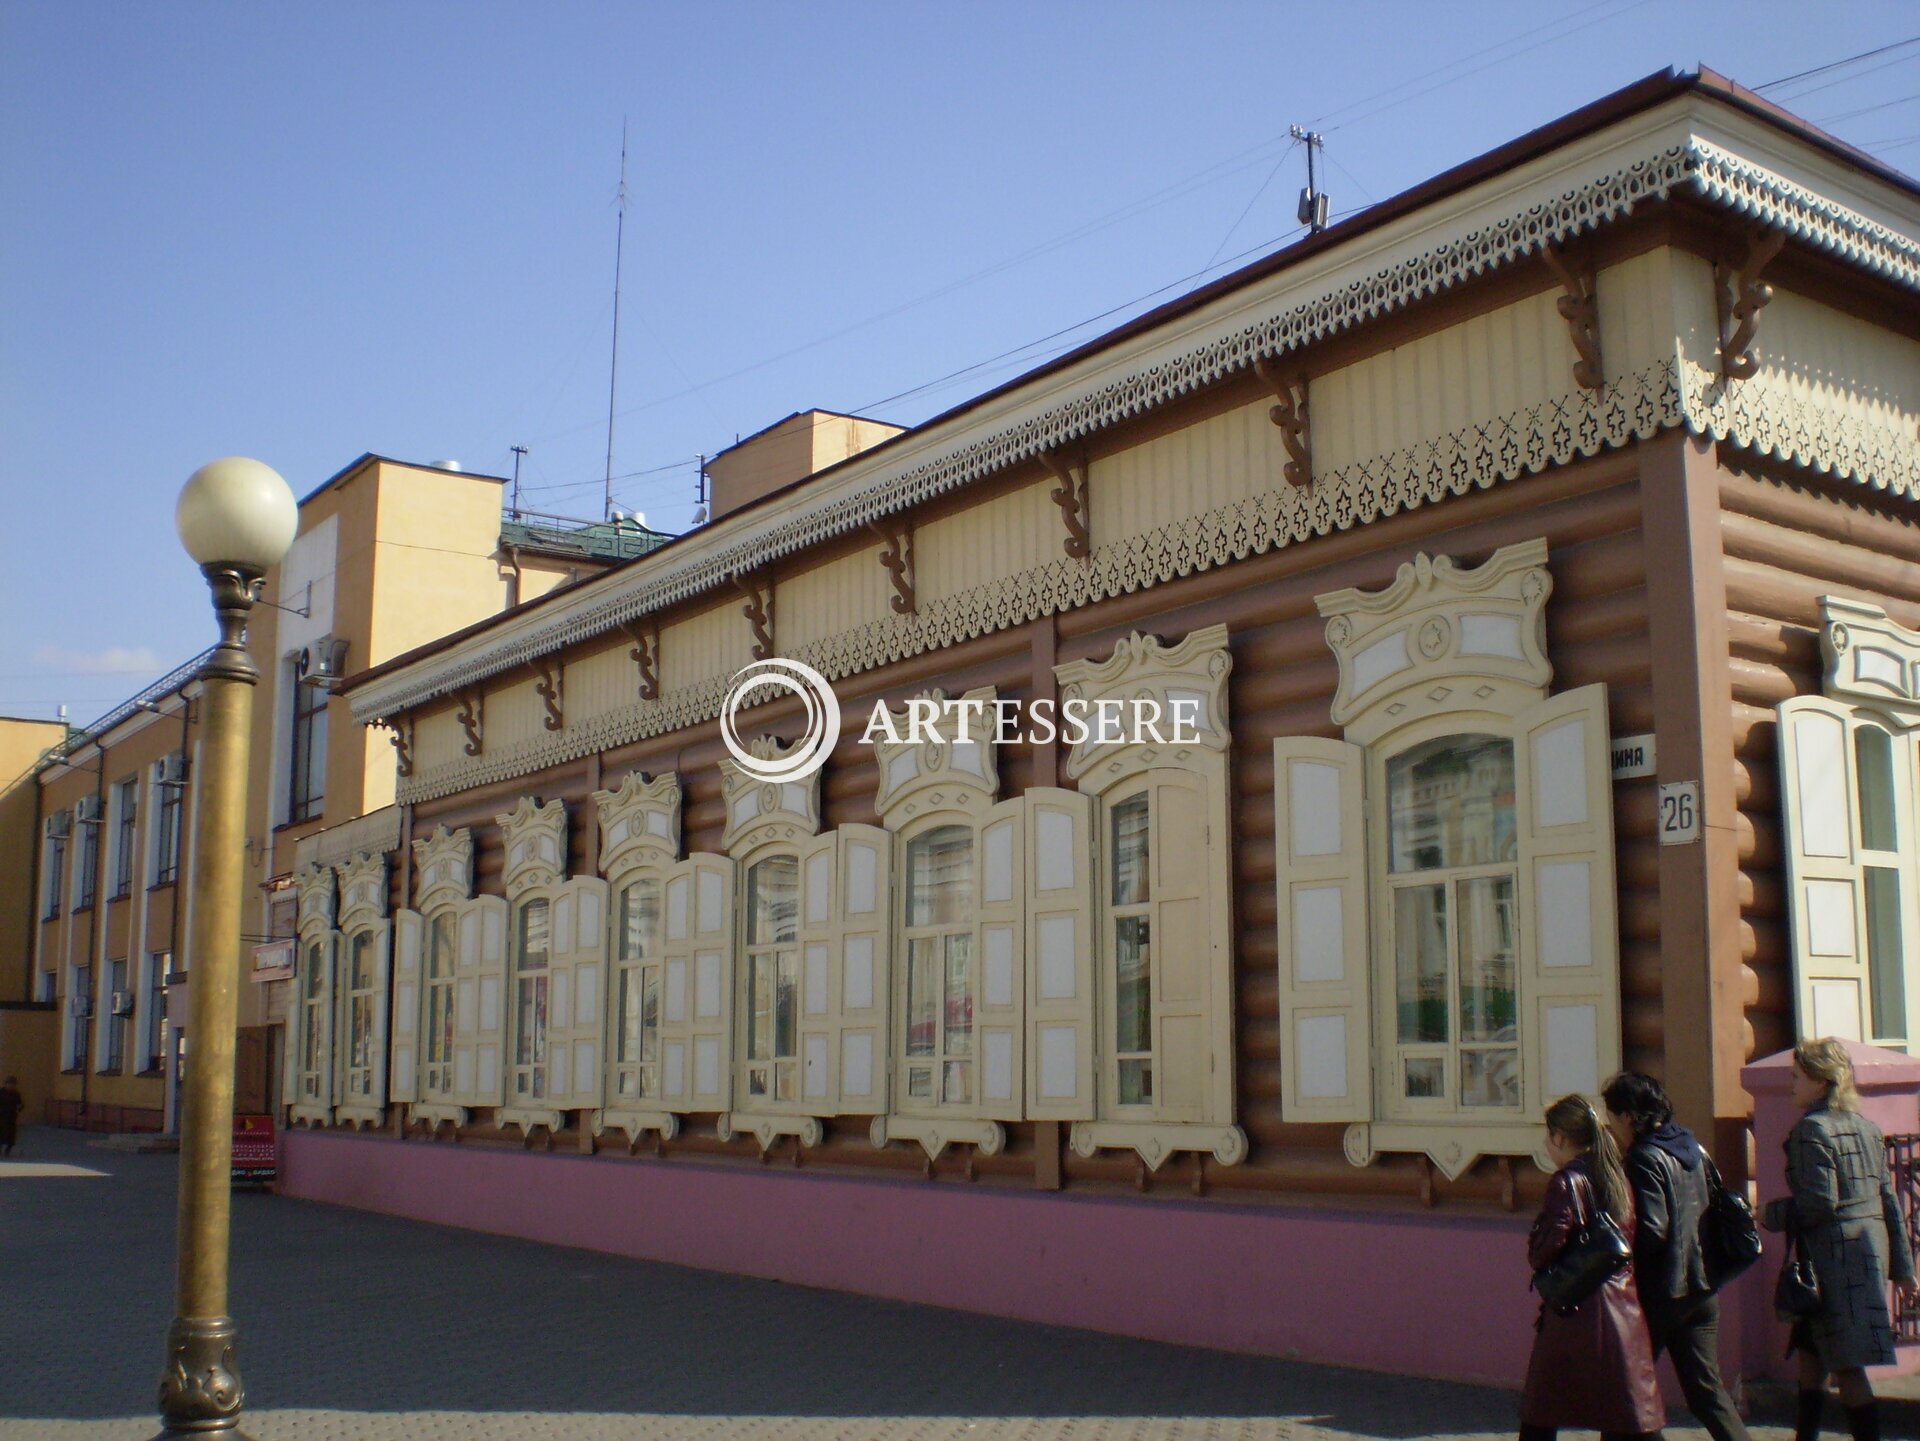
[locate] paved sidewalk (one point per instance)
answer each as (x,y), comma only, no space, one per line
(361,1326)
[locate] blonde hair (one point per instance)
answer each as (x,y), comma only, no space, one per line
(1827,1060)
(1574,1119)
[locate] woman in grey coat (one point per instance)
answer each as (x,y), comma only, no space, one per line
(1844,1212)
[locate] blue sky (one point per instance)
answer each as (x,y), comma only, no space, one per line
(306,232)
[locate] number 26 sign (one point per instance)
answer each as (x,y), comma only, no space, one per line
(1679,813)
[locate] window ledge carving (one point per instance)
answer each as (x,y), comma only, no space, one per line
(436,1114)
(1870,658)
(1155,1141)
(1452,1148)
(363,890)
(936,1133)
(360,1118)
(767,1127)
(636,1122)
(535,836)
(315,885)
(527,1117)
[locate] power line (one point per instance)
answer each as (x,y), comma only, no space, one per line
(1854,78)
(1836,64)
(1866,110)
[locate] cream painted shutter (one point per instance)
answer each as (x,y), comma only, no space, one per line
(814,937)
(377,1047)
(479,1014)
(1829,898)
(696,1007)
(863,935)
(1060,950)
(296,1028)
(1182,945)
(328,1002)
(409,931)
(999,944)
(1321,904)
(577,970)
(1567,926)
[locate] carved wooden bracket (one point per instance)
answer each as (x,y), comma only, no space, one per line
(469,717)
(402,738)
(1740,295)
(759,613)
(1070,494)
(646,656)
(1289,412)
(896,558)
(548,673)
(1579,308)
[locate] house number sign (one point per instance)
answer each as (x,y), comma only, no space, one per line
(1679,813)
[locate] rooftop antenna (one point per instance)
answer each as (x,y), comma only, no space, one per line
(613,367)
(700,494)
(1313,200)
(518,451)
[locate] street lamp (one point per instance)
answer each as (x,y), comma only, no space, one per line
(236,518)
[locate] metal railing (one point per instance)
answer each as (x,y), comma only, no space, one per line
(172,681)
(1903,1164)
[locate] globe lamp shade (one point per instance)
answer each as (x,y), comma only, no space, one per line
(237,512)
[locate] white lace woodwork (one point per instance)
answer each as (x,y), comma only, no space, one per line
(1443,674)
(542,939)
(437,963)
(931,791)
(366,947)
(310,1067)
(1849,797)
(1156,769)
(639,848)
(696,1010)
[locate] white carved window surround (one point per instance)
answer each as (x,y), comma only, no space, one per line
(957,1028)
(640,857)
(1850,810)
(366,943)
(309,1087)
(1449,962)
(1132,1029)
(557,965)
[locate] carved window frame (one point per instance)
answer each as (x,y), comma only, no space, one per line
(362,919)
(1109,769)
(310,1065)
(443,896)
(534,836)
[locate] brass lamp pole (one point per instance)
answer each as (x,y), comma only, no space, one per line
(236,517)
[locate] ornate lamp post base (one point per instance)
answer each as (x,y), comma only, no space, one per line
(201,1391)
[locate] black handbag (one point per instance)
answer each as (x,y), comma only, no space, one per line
(1729,1237)
(1797,1292)
(1594,1253)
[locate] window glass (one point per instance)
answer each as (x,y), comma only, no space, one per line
(773,978)
(87,882)
(166,845)
(1450,803)
(1886,962)
(117,996)
(80,1002)
(157,965)
(940,877)
(56,874)
(308,772)
(441,941)
(1873,759)
(1130,819)
(1420,964)
(922,999)
(530,1016)
(773,900)
(1489,1013)
(1133,973)
(126,805)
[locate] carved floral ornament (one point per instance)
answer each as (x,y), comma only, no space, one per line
(535,837)
(1870,658)
(363,890)
(639,822)
(1181,689)
(315,885)
(443,868)
(951,767)
(1441,637)
(759,811)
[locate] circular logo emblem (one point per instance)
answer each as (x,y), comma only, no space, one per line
(816,743)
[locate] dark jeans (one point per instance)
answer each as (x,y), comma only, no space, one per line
(1688,1330)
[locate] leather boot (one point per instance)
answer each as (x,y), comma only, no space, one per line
(1864,1421)
(1806,1425)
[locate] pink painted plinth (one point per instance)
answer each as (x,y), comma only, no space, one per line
(1424,1294)
(1889,1083)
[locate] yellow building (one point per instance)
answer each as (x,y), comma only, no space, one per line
(26,1022)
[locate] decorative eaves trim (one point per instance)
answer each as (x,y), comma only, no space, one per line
(1202,353)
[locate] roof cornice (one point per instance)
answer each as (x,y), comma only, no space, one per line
(1695,144)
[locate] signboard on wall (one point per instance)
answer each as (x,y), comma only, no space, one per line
(273,961)
(1632,756)
(256,1157)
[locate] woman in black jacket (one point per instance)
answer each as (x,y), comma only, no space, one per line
(1668,1171)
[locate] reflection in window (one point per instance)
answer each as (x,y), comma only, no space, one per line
(1132,950)
(637,1017)
(1877,800)
(313,1006)
(773,978)
(1450,803)
(360,1000)
(439,1007)
(532,955)
(940,966)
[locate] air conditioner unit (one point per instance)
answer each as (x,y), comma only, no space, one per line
(123,1003)
(59,826)
(172,770)
(324,663)
(87,810)
(80,1005)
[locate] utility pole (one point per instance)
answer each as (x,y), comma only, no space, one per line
(518,451)
(613,367)
(1313,200)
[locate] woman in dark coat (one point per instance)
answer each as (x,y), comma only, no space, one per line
(1592,1369)
(1844,1212)
(10,1104)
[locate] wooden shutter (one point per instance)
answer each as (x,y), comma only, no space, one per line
(325,1061)
(817,876)
(1060,950)
(999,943)
(697,986)
(1568,920)
(1321,907)
(377,1046)
(296,1028)
(863,935)
(479,1035)
(577,969)
(1830,900)
(1182,954)
(409,934)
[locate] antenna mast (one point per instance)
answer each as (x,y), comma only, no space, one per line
(1313,200)
(518,451)
(613,366)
